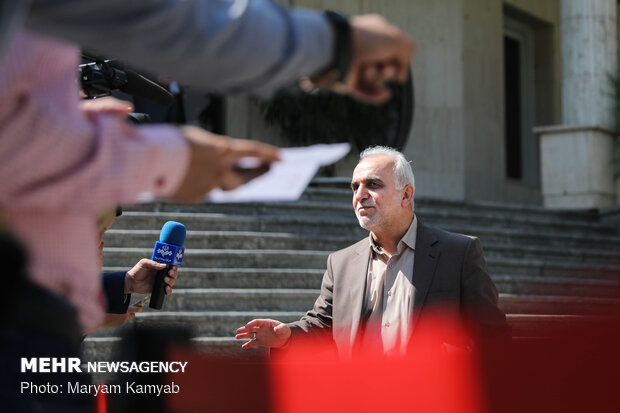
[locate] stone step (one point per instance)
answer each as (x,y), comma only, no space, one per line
(334,224)
(332,202)
(343,194)
(557,286)
(542,268)
(262,239)
(558,305)
(544,325)
(200,323)
(257,209)
(225,323)
(311,279)
(126,257)
(123,238)
(552,253)
(501,235)
(244,277)
(108,348)
(238,299)
(269,240)
(324,225)
(518,263)
(218,240)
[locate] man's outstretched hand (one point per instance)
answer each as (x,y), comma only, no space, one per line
(269,333)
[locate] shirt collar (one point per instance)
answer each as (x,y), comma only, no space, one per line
(407,240)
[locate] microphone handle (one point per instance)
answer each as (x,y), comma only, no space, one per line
(159,289)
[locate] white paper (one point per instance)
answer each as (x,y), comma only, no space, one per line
(287,179)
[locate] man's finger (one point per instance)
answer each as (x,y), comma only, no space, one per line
(251,343)
(244,336)
(170,281)
(144,262)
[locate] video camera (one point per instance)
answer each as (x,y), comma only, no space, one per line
(100,76)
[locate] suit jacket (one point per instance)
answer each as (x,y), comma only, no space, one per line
(449,273)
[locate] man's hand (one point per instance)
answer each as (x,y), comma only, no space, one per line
(269,333)
(141,277)
(107,104)
(213,159)
(382,53)
(117,320)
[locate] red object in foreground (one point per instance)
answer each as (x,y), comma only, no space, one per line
(574,369)
(309,378)
(101,403)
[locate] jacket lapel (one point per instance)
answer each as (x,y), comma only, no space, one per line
(425,263)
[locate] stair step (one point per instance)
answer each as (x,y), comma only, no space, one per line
(331,202)
(244,277)
(311,279)
(127,257)
(222,222)
(123,238)
(558,305)
(542,325)
(251,258)
(337,223)
(225,323)
(222,299)
(262,239)
(543,268)
(201,323)
(247,240)
(493,244)
(558,286)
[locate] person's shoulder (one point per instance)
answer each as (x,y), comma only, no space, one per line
(447,236)
(356,248)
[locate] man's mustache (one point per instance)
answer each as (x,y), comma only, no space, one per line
(370,204)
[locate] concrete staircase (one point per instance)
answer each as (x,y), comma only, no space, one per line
(554,269)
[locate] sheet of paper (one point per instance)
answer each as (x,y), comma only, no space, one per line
(288,178)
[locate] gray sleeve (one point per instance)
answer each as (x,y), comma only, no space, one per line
(318,321)
(253,46)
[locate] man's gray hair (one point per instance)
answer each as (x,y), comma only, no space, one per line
(403,174)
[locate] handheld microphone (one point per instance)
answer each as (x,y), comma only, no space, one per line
(168,250)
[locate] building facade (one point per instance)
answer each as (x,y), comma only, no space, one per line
(513,99)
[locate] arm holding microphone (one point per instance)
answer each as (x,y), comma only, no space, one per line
(118,288)
(141,279)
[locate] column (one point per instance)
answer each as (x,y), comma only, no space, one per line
(576,157)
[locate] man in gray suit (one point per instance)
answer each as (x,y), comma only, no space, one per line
(376,292)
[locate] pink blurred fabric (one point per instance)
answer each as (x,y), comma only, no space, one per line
(60,167)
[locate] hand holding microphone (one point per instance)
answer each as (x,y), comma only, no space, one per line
(168,250)
(141,277)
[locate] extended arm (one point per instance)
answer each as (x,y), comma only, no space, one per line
(253,46)
(275,334)
(256,46)
(318,321)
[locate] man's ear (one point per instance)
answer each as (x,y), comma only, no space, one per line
(407,197)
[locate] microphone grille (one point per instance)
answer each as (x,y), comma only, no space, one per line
(173,233)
